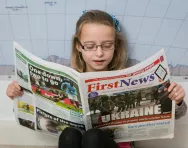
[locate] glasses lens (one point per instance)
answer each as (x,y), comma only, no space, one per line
(108,46)
(90,47)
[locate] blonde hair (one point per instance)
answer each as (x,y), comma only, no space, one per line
(99,17)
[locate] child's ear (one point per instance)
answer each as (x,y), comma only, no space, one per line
(78,47)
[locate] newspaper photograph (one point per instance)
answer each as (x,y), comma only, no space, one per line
(25,107)
(58,89)
(27,123)
(49,123)
(130,104)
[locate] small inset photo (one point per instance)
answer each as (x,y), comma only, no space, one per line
(27,123)
(25,107)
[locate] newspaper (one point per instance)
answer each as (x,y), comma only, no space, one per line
(130,104)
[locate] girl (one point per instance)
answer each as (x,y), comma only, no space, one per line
(98,46)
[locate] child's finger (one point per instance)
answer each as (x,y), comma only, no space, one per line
(14,89)
(172,85)
(14,92)
(18,93)
(180,96)
(175,92)
(171,94)
(16,85)
(11,94)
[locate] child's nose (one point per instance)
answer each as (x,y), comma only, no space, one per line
(99,51)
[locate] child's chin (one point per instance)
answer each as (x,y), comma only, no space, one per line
(100,69)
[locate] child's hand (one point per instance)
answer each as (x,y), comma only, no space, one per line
(14,90)
(177,93)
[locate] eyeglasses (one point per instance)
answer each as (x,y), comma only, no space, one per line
(93,47)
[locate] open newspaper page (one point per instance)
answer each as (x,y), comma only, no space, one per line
(51,100)
(130,104)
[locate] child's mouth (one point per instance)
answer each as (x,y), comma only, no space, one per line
(98,62)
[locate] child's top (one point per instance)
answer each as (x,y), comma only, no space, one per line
(124,145)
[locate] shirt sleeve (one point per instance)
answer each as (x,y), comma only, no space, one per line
(180,110)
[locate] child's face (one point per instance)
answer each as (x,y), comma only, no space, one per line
(97,34)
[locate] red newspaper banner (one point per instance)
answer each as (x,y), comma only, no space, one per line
(128,75)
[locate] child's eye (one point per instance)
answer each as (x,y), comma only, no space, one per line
(108,45)
(89,46)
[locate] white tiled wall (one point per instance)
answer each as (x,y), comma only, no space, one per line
(147,23)
(55,25)
(136,7)
(38,26)
(70,23)
(94,4)
(6,32)
(42,45)
(157,8)
(58,7)
(7,52)
(180,41)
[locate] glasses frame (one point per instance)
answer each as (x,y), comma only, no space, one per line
(96,46)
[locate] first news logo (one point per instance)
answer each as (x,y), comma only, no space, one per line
(120,83)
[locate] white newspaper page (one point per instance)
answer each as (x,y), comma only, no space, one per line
(130,104)
(51,100)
